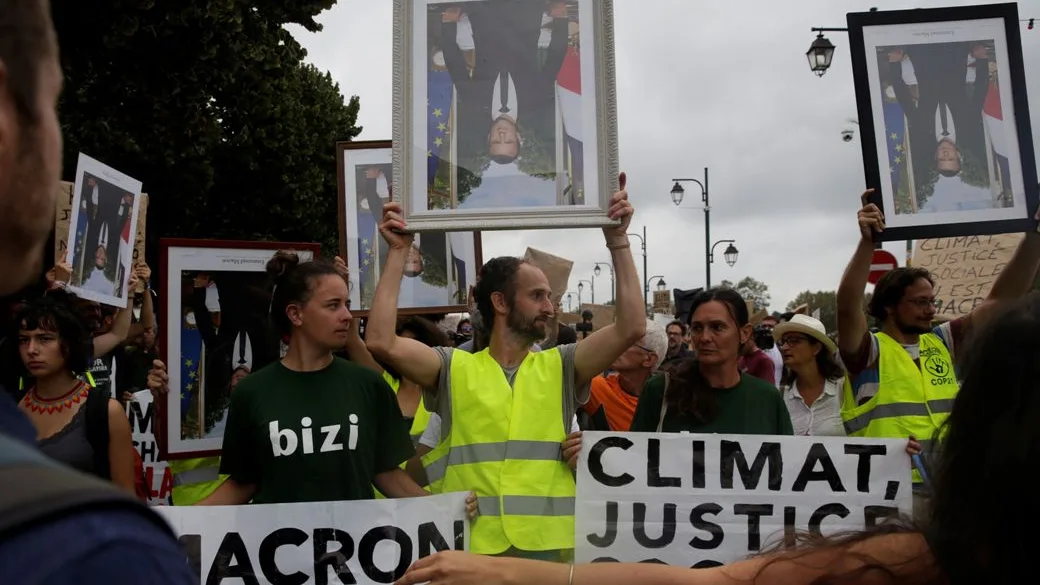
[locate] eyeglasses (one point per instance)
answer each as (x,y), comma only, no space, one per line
(791,341)
(924,303)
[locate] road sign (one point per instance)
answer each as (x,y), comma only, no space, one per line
(881,262)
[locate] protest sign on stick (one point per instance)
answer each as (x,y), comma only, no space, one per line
(704,500)
(325,543)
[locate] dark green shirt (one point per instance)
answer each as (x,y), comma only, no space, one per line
(313,436)
(752,407)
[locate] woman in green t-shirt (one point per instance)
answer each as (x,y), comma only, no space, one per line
(312,426)
(709,393)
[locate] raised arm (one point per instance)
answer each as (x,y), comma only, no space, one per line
(595,353)
(147,308)
(106,342)
(413,359)
(852,322)
(559,41)
(454,60)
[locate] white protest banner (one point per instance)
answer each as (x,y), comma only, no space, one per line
(157,476)
(320,543)
(704,500)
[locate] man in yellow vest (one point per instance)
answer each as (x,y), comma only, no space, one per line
(901,381)
(505,410)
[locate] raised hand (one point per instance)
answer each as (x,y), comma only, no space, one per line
(393,225)
(619,209)
(870,218)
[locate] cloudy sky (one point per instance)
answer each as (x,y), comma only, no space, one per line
(700,84)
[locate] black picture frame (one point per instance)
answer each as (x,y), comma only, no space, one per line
(1013,185)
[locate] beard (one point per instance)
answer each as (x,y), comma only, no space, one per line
(911,328)
(528,329)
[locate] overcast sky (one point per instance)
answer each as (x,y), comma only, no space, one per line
(700,84)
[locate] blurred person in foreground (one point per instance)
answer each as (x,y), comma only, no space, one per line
(977,530)
(57,525)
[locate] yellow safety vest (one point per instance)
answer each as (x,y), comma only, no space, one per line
(435,465)
(910,400)
(419,423)
(195,479)
(505,444)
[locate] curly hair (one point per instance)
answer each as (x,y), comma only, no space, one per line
(497,275)
(57,311)
(891,288)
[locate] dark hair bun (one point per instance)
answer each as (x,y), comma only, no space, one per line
(282,263)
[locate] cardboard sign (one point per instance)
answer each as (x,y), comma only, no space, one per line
(557,270)
(964,268)
(704,500)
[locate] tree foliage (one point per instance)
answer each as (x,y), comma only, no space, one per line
(752,290)
(825,301)
(209,104)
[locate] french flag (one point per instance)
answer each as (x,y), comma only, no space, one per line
(993,118)
(569,84)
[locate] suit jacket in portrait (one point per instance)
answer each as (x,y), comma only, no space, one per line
(505,39)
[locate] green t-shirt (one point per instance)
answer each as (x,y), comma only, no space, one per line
(752,407)
(313,436)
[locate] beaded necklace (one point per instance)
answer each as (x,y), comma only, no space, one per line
(55,405)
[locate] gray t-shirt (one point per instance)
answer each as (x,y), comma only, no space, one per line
(438,400)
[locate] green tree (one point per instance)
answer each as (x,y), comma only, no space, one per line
(209,104)
(752,290)
(822,300)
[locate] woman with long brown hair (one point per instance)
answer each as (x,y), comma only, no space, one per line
(709,393)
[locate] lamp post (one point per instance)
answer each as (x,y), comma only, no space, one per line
(569,305)
(646,281)
(596,272)
(592,289)
(677,197)
(821,51)
(661,287)
(730,253)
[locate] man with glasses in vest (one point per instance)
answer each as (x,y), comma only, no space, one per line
(505,410)
(901,381)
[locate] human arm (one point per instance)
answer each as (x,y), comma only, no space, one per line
(903,555)
(120,447)
(558,43)
(203,322)
(395,483)
(598,351)
(106,342)
(454,60)
(980,88)
(852,322)
(412,358)
(230,493)
(415,468)
(899,87)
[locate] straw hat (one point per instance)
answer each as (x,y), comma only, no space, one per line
(805,325)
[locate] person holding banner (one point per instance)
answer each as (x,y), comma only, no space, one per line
(505,409)
(901,381)
(709,394)
(978,530)
(312,427)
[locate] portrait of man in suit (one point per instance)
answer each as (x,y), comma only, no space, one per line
(104,216)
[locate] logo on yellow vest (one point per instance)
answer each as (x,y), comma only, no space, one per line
(937,366)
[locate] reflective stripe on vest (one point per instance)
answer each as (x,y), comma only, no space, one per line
(436,462)
(504,444)
(194,479)
(910,400)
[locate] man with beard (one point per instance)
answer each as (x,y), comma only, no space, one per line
(56,525)
(505,410)
(901,380)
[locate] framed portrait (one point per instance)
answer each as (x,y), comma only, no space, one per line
(441,266)
(215,331)
(504,113)
(102,232)
(944,120)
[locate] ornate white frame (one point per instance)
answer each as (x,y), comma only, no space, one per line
(603,98)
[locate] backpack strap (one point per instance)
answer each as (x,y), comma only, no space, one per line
(97,431)
(38,489)
(664,402)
